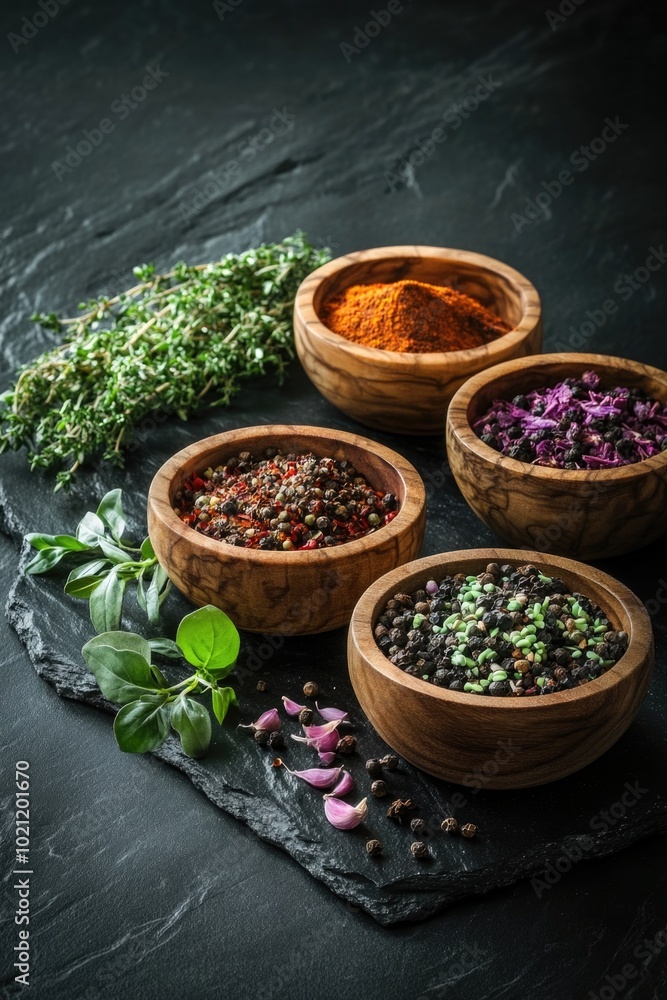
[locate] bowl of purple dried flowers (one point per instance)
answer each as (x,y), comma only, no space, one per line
(566,453)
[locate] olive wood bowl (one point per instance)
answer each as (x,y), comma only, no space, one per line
(490,741)
(276,592)
(409,393)
(578,513)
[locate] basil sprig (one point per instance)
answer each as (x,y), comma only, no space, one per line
(121,663)
(103,563)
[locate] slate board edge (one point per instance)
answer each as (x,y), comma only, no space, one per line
(392,907)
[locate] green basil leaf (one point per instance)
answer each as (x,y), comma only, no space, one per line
(165,647)
(121,640)
(221,699)
(106,603)
(193,724)
(153,600)
(45,560)
(141,592)
(122,674)
(209,639)
(113,552)
(159,677)
(90,529)
(147,550)
(56,542)
(110,511)
(83,579)
(142,726)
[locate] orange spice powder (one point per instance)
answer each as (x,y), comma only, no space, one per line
(411,317)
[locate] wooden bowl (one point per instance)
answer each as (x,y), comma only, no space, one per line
(285,593)
(409,393)
(493,742)
(582,514)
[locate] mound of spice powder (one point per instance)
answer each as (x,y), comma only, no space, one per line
(284,501)
(411,317)
(577,425)
(509,631)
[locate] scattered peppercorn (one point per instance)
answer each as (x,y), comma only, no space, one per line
(374,767)
(284,502)
(261,685)
(262,737)
(379,789)
(391,761)
(346,745)
(468,830)
(306,716)
(311,689)
(449,825)
(418,827)
(374,848)
(400,808)
(509,631)
(276,740)
(418,849)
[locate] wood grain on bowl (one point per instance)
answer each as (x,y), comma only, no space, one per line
(277,592)
(581,514)
(409,393)
(507,742)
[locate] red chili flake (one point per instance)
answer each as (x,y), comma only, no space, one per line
(198,484)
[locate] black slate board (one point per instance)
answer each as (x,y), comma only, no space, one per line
(522,834)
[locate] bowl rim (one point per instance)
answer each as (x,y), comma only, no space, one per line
(304,308)
(409,512)
(639,630)
(459,425)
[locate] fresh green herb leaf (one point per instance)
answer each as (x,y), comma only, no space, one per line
(126,356)
(165,647)
(147,550)
(120,641)
(45,560)
(56,541)
(193,724)
(106,602)
(142,725)
(110,511)
(221,699)
(209,640)
(122,674)
(83,579)
(90,529)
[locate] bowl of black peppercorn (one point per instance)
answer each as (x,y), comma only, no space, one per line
(517,735)
(582,513)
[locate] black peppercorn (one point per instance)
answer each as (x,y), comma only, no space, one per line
(346,745)
(418,827)
(276,740)
(379,789)
(374,767)
(468,830)
(418,849)
(261,685)
(449,825)
(374,848)
(311,689)
(399,809)
(262,737)
(306,716)
(391,761)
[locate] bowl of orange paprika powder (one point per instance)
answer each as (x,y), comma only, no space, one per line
(388,335)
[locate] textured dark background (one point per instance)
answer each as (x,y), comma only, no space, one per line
(143,888)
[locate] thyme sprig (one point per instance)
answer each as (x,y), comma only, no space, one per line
(173,343)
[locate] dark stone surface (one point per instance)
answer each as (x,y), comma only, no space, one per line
(141,888)
(237,775)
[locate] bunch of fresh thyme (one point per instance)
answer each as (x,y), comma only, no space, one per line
(172,343)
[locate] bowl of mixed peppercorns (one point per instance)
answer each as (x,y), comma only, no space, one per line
(389,334)
(284,527)
(499,666)
(565,455)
